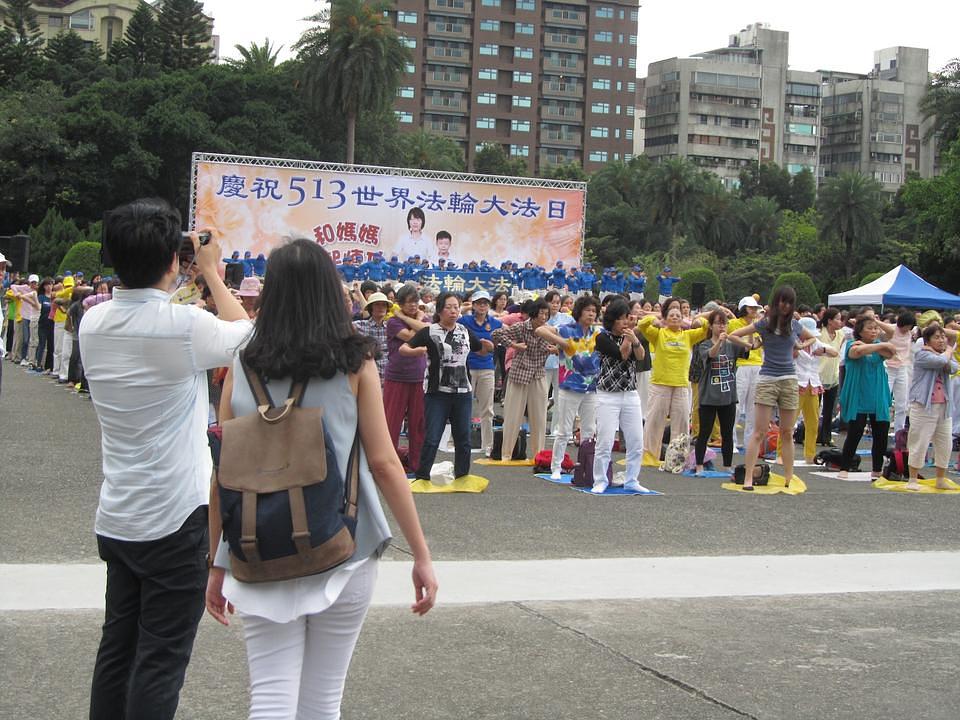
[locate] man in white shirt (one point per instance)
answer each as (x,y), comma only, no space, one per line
(146,361)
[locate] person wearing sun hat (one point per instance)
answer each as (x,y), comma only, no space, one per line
(375,326)
(748,369)
(249,291)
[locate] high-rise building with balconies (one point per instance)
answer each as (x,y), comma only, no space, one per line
(552,82)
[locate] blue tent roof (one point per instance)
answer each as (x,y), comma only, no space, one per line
(900,286)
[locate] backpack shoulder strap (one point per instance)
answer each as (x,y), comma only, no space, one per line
(352,479)
(268,411)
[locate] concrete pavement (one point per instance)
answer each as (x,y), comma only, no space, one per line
(727,605)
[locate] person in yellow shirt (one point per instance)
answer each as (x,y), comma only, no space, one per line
(669,393)
(14,301)
(61,300)
(748,369)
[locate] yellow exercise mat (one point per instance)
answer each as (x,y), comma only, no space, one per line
(926,486)
(648,460)
(465,483)
(774,486)
(506,463)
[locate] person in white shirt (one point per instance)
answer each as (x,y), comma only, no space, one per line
(415,242)
(146,361)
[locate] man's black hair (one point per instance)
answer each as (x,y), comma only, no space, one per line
(369,286)
(142,238)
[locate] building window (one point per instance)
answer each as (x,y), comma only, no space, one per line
(486,123)
(601,84)
(628,133)
(605,12)
(520,150)
(634,15)
(403,116)
(526,5)
(599,132)
(522,101)
(601,108)
(410,68)
(408,42)
(616,134)
(520,125)
(523,53)
(449,27)
(523,28)
(491,25)
(633,40)
(82,20)
(604,60)
(632,63)
(631,87)
(603,36)
(489,49)
(598,156)
(631,110)
(55,21)
(559,14)
(405,92)
(405,16)
(490,3)
(522,77)
(487,74)
(487,98)
(801,129)
(458,4)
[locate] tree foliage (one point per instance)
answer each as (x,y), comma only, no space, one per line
(492,159)
(941,103)
(424,150)
(256,58)
(850,207)
(183,34)
(49,241)
(713,288)
(83,256)
(806,291)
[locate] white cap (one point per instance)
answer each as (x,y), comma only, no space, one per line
(748,301)
(3,258)
(33,278)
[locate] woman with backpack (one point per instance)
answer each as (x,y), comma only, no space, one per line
(930,400)
(300,633)
(865,395)
(777,385)
(618,405)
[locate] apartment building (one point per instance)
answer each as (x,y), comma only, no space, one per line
(552,82)
(872,123)
(95,20)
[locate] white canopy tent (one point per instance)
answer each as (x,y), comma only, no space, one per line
(899,287)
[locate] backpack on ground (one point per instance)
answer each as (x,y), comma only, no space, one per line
(287,509)
(543,462)
(519,448)
(583,470)
(676,454)
(833,460)
(896,465)
(761,474)
(799,433)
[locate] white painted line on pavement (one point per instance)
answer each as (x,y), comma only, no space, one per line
(77,587)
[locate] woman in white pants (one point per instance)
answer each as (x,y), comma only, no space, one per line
(618,405)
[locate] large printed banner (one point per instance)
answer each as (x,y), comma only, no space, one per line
(258,204)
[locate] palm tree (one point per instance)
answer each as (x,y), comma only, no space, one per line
(720,229)
(256,58)
(352,59)
(761,222)
(674,193)
(427,151)
(850,207)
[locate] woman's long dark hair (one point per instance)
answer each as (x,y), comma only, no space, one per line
(616,309)
(778,323)
(303,328)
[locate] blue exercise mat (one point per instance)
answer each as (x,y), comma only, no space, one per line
(707,474)
(610,491)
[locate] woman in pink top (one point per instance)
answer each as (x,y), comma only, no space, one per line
(899,366)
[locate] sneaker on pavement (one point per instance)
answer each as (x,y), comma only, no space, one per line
(556,475)
(599,488)
(635,486)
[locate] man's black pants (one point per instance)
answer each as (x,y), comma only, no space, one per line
(154,601)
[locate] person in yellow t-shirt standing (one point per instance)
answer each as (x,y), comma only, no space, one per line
(669,393)
(748,369)
(61,299)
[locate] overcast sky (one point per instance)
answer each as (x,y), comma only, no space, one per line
(824,34)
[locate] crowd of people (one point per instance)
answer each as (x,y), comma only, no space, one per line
(397,365)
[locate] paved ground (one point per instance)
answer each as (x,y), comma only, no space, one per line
(805,649)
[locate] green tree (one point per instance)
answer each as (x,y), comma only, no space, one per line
(49,241)
(721,228)
(802,284)
(766,180)
(689,276)
(752,271)
(21,19)
(83,256)
(941,102)
(140,45)
(73,63)
(256,58)
(760,222)
(803,192)
(565,171)
(850,207)
(870,277)
(424,150)
(183,34)
(674,193)
(492,159)
(352,61)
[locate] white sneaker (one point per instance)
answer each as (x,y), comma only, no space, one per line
(556,475)
(24,363)
(635,486)
(599,488)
